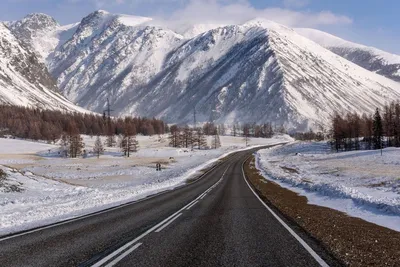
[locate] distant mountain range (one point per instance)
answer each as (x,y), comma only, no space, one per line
(258,71)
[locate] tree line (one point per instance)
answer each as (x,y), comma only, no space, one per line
(369,131)
(50,125)
(196,138)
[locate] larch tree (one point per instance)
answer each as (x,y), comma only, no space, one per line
(246,134)
(175,136)
(64,144)
(129,142)
(377,130)
(98,147)
(216,142)
(200,139)
(75,142)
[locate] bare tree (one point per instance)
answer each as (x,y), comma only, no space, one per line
(216,143)
(200,139)
(246,134)
(174,137)
(75,142)
(98,147)
(129,142)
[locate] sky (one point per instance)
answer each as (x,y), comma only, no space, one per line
(370,22)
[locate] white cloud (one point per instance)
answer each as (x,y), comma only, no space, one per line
(226,11)
(239,11)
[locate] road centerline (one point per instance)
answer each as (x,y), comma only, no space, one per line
(188,208)
(123,255)
(166,221)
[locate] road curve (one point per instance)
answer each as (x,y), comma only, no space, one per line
(216,221)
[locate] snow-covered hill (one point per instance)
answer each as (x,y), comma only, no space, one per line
(256,72)
(24,80)
(370,58)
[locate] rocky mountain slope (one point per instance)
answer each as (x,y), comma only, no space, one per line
(24,80)
(41,33)
(369,58)
(259,71)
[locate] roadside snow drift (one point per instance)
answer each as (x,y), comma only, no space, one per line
(360,183)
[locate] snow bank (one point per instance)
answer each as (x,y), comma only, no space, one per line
(360,183)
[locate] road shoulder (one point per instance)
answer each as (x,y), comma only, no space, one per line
(353,241)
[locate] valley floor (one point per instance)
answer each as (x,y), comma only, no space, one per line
(362,184)
(40,188)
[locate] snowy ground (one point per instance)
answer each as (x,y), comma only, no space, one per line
(41,188)
(363,184)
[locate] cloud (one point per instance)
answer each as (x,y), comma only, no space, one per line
(295,3)
(239,11)
(224,11)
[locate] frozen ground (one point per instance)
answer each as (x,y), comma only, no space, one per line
(363,184)
(41,188)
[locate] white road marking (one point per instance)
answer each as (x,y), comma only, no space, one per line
(168,223)
(123,255)
(98,212)
(203,196)
(298,238)
(188,208)
(116,252)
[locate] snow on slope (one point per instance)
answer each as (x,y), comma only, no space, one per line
(259,71)
(24,80)
(107,58)
(371,58)
(41,33)
(362,184)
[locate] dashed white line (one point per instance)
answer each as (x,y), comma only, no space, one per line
(159,226)
(203,196)
(188,208)
(168,223)
(123,255)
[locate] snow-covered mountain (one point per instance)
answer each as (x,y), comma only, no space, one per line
(24,80)
(259,71)
(111,56)
(370,58)
(41,33)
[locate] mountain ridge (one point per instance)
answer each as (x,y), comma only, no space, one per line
(258,71)
(370,58)
(24,79)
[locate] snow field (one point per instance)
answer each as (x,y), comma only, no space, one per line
(55,189)
(362,184)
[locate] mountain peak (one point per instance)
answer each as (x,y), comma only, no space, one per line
(265,23)
(37,21)
(100,11)
(31,25)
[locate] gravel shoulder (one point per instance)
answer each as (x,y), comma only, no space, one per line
(353,241)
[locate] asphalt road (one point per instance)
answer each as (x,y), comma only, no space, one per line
(215,221)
